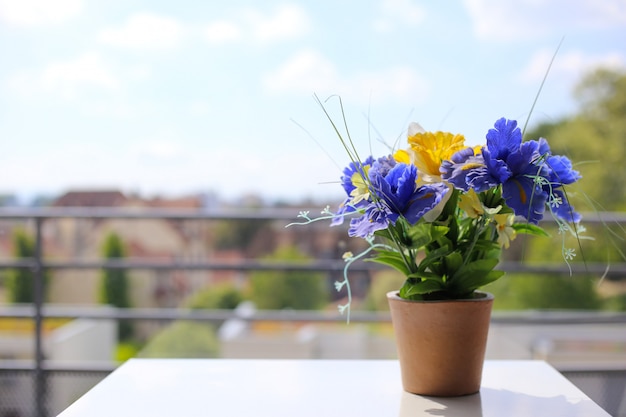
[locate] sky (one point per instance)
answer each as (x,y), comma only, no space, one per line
(173,98)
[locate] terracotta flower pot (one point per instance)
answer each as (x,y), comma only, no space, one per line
(441,344)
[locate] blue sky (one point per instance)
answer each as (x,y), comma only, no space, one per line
(171,98)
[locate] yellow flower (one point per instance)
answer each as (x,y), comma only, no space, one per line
(402,157)
(470,204)
(361,190)
(428,150)
(505,232)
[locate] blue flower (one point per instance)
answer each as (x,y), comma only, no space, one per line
(397,195)
(394,186)
(467,170)
(560,167)
(560,172)
(349,205)
(529,174)
(560,206)
(377,217)
(521,186)
(350,170)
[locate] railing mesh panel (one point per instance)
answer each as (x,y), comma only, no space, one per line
(17,391)
(606,388)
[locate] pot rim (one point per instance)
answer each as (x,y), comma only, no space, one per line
(485,296)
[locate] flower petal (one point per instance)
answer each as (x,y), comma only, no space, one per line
(504,138)
(525,198)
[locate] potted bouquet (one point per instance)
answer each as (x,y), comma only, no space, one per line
(441,213)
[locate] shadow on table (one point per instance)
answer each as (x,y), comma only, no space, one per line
(465,406)
(492,402)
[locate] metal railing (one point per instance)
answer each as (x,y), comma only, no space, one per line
(38,264)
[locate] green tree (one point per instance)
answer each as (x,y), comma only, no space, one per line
(297,290)
(382,283)
(20,281)
(238,234)
(594,139)
(617,302)
(114,289)
(220,297)
(183,339)
(536,291)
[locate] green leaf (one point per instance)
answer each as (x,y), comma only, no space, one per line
(488,278)
(530,229)
(437,232)
(453,262)
(475,275)
(478,266)
(384,233)
(434,256)
(422,234)
(425,275)
(410,289)
(419,235)
(392,259)
(443,241)
(487,245)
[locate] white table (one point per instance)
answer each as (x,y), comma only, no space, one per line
(229,387)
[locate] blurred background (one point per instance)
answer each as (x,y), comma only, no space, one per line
(153,153)
(156,98)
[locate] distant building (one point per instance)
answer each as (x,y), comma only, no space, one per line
(169,241)
(153,239)
(105,198)
(9,200)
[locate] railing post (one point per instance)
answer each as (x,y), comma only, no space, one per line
(38,300)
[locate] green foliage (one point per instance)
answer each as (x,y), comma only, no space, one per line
(296,290)
(114,282)
(221,297)
(594,139)
(20,281)
(183,339)
(601,94)
(125,351)
(237,234)
(458,253)
(382,282)
(536,291)
(616,302)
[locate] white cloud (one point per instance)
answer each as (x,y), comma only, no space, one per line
(200,108)
(144,30)
(503,20)
(287,22)
(568,66)
(67,79)
(140,72)
(310,72)
(498,20)
(159,149)
(38,12)
(223,31)
(394,12)
(598,14)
